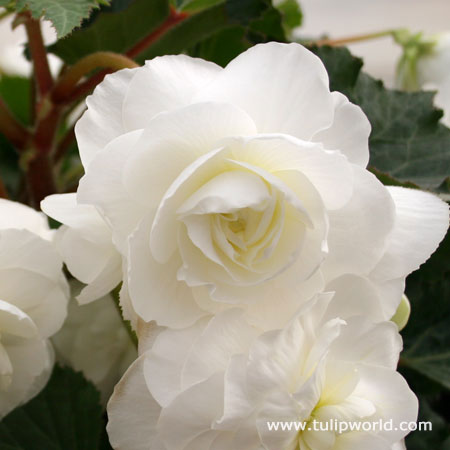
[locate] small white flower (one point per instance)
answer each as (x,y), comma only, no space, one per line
(33,303)
(217,384)
(85,243)
(94,341)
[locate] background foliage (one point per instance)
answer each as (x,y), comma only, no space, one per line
(408,147)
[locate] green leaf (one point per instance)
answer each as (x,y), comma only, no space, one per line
(66,415)
(206,33)
(116,29)
(64,14)
(427,335)
(292,14)
(197,5)
(16,92)
(407,142)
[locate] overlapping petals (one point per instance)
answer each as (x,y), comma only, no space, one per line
(33,303)
(219,383)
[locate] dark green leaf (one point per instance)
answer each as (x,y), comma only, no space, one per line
(64,14)
(292,14)
(66,415)
(16,92)
(115,29)
(205,34)
(197,5)
(407,142)
(433,439)
(427,335)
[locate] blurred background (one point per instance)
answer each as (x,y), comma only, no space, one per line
(342,18)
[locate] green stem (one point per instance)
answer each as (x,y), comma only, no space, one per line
(352,39)
(86,65)
(115,294)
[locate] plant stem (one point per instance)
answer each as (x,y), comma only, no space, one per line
(64,144)
(40,178)
(39,170)
(174,18)
(351,39)
(17,134)
(84,66)
(42,72)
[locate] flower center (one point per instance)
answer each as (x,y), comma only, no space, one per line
(237,225)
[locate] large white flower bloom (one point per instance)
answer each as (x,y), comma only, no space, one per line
(217,384)
(94,341)
(33,303)
(245,184)
(85,243)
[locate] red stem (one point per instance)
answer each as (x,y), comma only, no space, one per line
(39,54)
(174,18)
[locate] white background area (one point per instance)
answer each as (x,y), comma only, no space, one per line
(342,18)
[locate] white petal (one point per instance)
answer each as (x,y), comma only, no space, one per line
(15,322)
(166,358)
(420,225)
(236,400)
(226,334)
(357,440)
(105,282)
(32,362)
(359,230)
(133,413)
(102,122)
(65,209)
(364,342)
(163,84)
(349,132)
(24,250)
(391,395)
(279,153)
(155,292)
(102,186)
(18,216)
(283,87)
(173,141)
(85,258)
(204,403)
(354,296)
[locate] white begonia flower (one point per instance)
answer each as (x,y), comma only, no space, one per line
(33,303)
(12,45)
(94,341)
(217,384)
(239,185)
(85,243)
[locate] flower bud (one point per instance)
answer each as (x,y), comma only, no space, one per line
(401,316)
